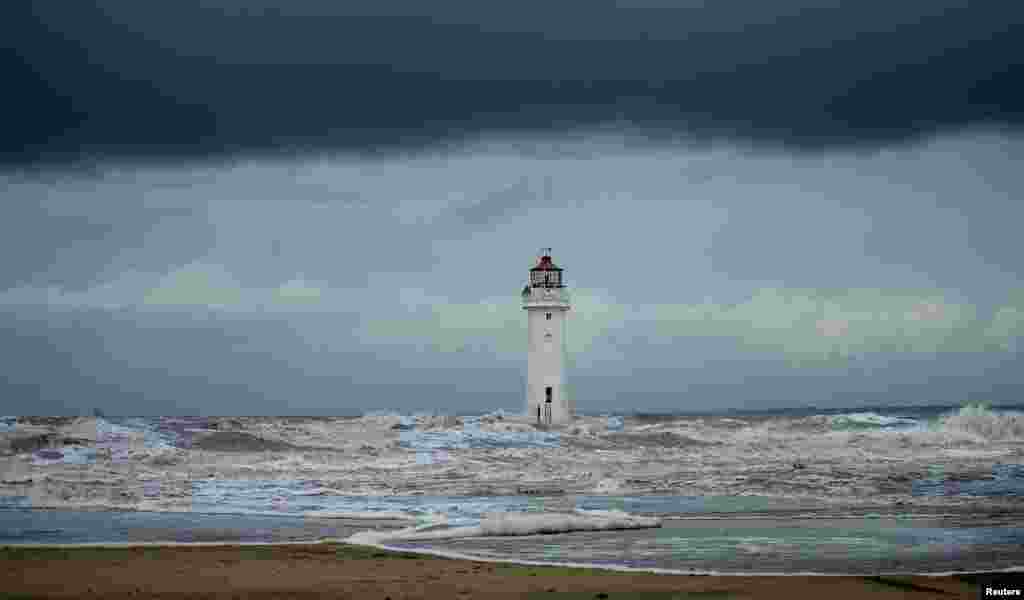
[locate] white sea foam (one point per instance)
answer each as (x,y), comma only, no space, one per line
(486,456)
(578,520)
(516,524)
(473,433)
(415,534)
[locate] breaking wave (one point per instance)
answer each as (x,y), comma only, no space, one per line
(432,432)
(975,419)
(513,524)
(981,421)
(472,436)
(872,420)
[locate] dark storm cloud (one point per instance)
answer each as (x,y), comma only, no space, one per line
(195,79)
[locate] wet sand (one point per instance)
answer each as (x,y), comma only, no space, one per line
(341,571)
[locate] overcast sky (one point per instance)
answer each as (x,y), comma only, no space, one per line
(312,207)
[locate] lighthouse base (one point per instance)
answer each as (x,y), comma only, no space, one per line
(549,405)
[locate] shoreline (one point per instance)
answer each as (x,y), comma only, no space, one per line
(459,556)
(329,568)
(685,572)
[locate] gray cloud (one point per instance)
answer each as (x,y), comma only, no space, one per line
(75,234)
(509,200)
(196,80)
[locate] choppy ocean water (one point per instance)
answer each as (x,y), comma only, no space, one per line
(178,432)
(275,510)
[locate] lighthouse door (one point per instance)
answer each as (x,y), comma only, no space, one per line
(547,394)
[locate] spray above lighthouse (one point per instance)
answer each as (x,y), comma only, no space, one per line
(546,302)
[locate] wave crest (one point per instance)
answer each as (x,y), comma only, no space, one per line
(979,420)
(512,524)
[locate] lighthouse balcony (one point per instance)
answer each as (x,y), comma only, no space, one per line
(560,300)
(546,304)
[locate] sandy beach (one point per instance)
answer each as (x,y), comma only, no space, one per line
(342,571)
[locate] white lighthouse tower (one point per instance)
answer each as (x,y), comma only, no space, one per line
(546,302)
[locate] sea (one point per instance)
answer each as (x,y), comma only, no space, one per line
(717,534)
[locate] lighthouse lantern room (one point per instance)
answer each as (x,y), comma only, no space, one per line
(546,302)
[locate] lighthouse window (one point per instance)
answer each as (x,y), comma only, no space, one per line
(548,316)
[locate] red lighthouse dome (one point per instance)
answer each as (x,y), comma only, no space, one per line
(546,274)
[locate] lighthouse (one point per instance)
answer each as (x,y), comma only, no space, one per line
(546,302)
